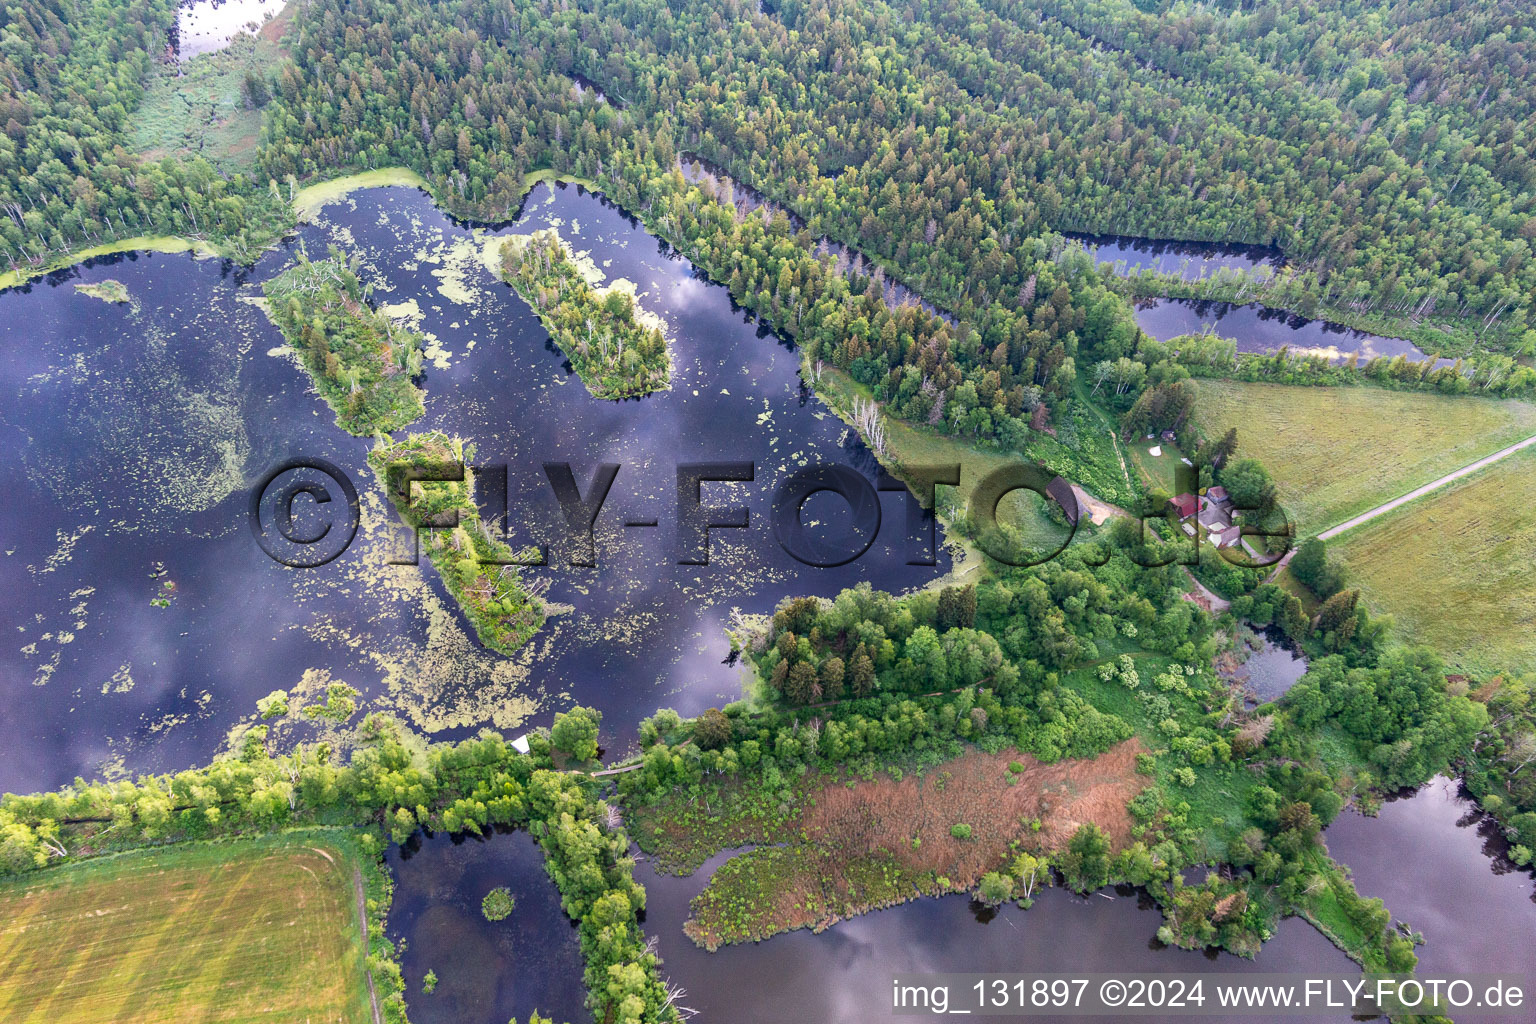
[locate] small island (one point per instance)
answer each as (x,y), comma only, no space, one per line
(616,347)
(474,563)
(363,365)
(110,290)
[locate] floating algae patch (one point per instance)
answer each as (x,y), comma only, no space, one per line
(407,313)
(177,449)
(121,681)
(65,550)
(459,261)
(107,291)
(431,670)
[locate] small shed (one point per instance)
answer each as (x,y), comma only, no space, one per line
(1061,491)
(521,744)
(1186,505)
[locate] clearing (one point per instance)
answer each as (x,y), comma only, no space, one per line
(257,930)
(195,107)
(918,446)
(1337,452)
(1454,567)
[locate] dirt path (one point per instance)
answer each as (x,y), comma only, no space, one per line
(362,920)
(1098,511)
(1419,492)
(1218,604)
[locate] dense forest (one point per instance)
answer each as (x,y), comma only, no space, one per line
(1387,156)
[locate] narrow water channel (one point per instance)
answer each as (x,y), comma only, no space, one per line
(1258,328)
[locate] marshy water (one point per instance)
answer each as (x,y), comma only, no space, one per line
(1259,329)
(131,433)
(1439,864)
(206,26)
(486,970)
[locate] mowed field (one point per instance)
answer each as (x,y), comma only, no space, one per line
(248,931)
(1337,452)
(1457,568)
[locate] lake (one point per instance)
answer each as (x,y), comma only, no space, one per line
(208,25)
(1442,866)
(1259,328)
(132,432)
(486,970)
(1270,664)
(1430,854)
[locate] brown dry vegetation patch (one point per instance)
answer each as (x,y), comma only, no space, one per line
(877,843)
(886,816)
(273,30)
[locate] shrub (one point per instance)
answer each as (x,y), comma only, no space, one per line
(498,904)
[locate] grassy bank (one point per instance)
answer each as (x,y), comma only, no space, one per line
(1454,567)
(308,200)
(909,445)
(144,243)
(1337,452)
(253,930)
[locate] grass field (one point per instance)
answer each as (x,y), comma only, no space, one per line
(260,930)
(1455,567)
(1337,452)
(1158,472)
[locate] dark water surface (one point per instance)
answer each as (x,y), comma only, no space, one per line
(1258,328)
(486,970)
(843,976)
(1193,261)
(131,433)
(1441,866)
(1274,668)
